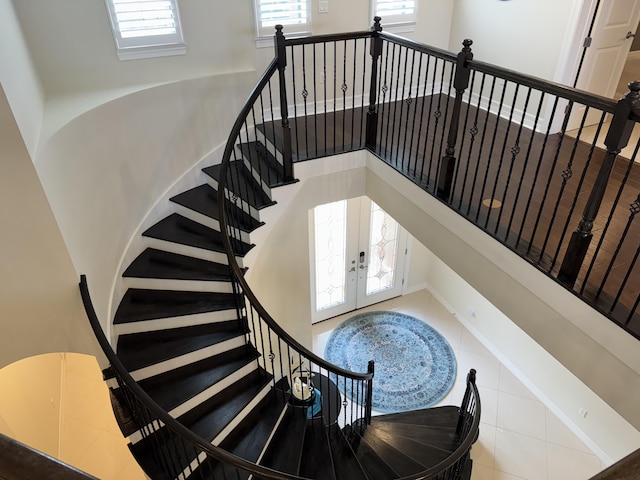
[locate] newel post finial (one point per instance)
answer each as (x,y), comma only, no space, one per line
(377,27)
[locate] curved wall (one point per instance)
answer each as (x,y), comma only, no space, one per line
(105,170)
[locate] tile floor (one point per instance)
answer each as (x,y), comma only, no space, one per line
(519,437)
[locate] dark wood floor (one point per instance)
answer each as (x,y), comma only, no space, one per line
(527,189)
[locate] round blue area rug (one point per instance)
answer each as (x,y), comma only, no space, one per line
(414,365)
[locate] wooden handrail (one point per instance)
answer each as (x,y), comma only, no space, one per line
(626,469)
(21,462)
(161,415)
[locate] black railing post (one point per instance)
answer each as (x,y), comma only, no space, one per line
(617,138)
(460,84)
(372,114)
(287,156)
(471,379)
(368,407)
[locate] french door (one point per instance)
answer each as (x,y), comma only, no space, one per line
(357,256)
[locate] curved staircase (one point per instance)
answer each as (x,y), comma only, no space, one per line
(195,346)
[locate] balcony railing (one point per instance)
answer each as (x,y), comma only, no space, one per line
(535,164)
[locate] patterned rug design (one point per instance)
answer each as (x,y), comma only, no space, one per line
(415,366)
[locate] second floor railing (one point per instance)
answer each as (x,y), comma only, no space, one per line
(535,164)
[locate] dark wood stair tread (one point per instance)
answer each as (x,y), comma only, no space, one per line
(210,417)
(175,387)
(154,263)
(140,350)
(242,183)
(204,199)
(247,440)
(142,304)
(285,448)
(316,461)
(181,230)
(264,163)
(446,416)
(387,443)
(400,463)
(374,466)
(206,420)
(345,462)
(436,441)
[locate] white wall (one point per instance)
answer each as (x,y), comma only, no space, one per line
(283,247)
(40,308)
(519,35)
(18,77)
(105,170)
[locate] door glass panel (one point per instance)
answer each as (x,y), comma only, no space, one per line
(383,237)
(331,243)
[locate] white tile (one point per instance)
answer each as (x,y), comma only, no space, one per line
(470,343)
(522,415)
(487,368)
(510,384)
(489,405)
(569,464)
(559,433)
(483,451)
(497,475)
(480,472)
(520,455)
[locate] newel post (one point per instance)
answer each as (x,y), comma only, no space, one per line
(368,407)
(460,84)
(281,55)
(372,114)
(617,138)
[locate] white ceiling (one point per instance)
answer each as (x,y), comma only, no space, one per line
(72,46)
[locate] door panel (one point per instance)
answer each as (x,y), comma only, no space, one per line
(605,58)
(357,257)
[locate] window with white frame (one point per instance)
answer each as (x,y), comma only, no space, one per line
(146,28)
(294,15)
(396,12)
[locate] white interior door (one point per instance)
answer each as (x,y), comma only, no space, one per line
(357,257)
(615,26)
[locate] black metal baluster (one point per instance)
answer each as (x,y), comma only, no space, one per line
(392,103)
(524,169)
(305,94)
(401,125)
(383,119)
(515,151)
(315,99)
(413,140)
(634,209)
(494,140)
(295,102)
(606,229)
(536,176)
(436,116)
(354,144)
(467,105)
(422,117)
(344,88)
(482,143)
(578,190)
